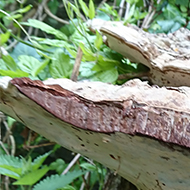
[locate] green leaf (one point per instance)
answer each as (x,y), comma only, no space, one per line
(86,69)
(102,15)
(60,66)
(12,17)
(11,163)
(182,2)
(3,65)
(88,166)
(14,74)
(68,187)
(39,160)
(84,7)
(72,51)
(88,55)
(104,63)
(59,165)
(68,29)
(31,65)
(109,76)
(98,41)
(55,182)
(25,9)
(32,177)
(91,10)
(10,63)
(46,28)
(131,13)
(9,172)
(166,25)
(52,42)
(4,37)
(40,67)
(23,49)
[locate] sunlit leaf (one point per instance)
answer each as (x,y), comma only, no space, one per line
(10,63)
(98,41)
(56,182)
(88,166)
(46,28)
(31,65)
(25,9)
(4,37)
(84,7)
(91,9)
(32,177)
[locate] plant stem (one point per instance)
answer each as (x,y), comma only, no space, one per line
(22,41)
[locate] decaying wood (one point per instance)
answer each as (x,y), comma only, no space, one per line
(167,56)
(141,132)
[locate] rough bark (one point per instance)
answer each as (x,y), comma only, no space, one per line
(140,132)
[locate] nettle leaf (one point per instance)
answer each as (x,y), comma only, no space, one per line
(10,63)
(68,187)
(32,177)
(11,163)
(61,66)
(31,65)
(46,28)
(91,9)
(55,182)
(39,160)
(14,74)
(9,172)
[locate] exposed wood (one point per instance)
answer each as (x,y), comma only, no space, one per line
(141,132)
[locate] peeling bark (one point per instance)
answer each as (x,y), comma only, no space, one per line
(131,141)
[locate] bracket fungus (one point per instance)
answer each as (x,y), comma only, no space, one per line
(141,132)
(167,56)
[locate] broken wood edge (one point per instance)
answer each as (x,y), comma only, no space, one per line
(129,116)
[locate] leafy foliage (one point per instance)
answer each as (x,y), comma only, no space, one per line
(56,181)
(25,171)
(52,53)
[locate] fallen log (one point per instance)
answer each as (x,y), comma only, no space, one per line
(141,132)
